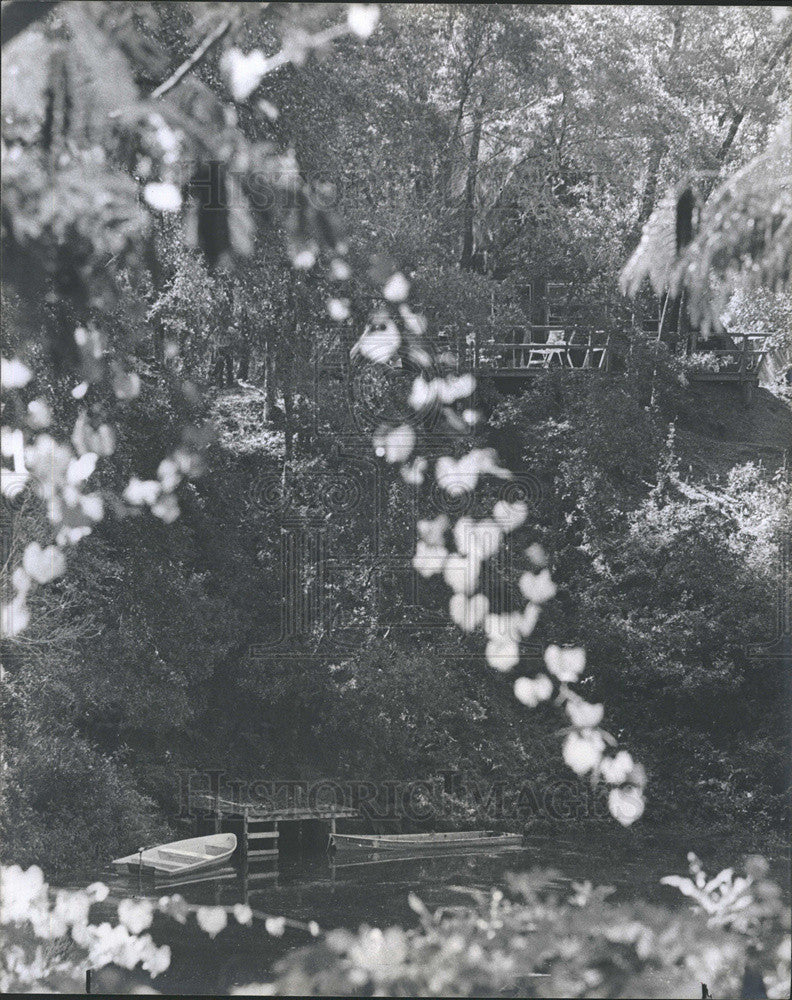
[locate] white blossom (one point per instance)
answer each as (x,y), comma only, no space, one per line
(135,914)
(615,770)
(81,468)
(379,345)
(626,805)
(163,196)
(510,515)
(530,691)
(338,309)
(504,627)
(429,559)
(211,919)
(529,618)
(413,473)
(565,664)
(479,539)
(244,72)
(502,655)
(422,393)
(142,491)
(583,750)
(452,388)
(461,573)
(395,445)
(39,414)
(43,565)
(432,531)
(537,587)
(275,926)
(584,715)
(468,612)
(14,374)
(362,18)
(19,890)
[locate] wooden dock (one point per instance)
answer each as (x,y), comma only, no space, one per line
(263,830)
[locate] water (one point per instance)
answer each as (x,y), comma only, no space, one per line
(349,894)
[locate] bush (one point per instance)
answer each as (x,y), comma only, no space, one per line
(68,803)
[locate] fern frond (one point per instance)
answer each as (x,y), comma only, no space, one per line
(656,254)
(745,233)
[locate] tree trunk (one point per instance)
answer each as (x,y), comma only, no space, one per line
(269,383)
(243,369)
(649,196)
(466,260)
(658,149)
(288,409)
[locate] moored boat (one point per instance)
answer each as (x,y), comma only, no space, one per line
(180,857)
(424,842)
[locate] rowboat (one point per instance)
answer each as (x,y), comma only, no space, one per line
(181,857)
(424,842)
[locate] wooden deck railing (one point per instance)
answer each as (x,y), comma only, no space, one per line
(736,363)
(538,348)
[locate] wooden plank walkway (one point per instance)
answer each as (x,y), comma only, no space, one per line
(272,813)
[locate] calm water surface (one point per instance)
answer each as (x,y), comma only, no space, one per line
(347,895)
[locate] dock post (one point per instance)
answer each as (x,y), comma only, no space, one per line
(245,845)
(218,822)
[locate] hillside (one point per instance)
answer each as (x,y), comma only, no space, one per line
(716,430)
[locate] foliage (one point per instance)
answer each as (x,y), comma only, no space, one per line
(49,937)
(532,940)
(669,578)
(533,937)
(132,278)
(744,235)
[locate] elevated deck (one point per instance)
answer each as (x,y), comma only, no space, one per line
(731,364)
(529,350)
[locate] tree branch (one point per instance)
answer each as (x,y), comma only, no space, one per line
(194,59)
(737,118)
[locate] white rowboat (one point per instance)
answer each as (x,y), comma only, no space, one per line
(181,857)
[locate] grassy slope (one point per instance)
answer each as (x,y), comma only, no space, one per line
(718,431)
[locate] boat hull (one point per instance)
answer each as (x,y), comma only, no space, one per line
(180,857)
(423,843)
